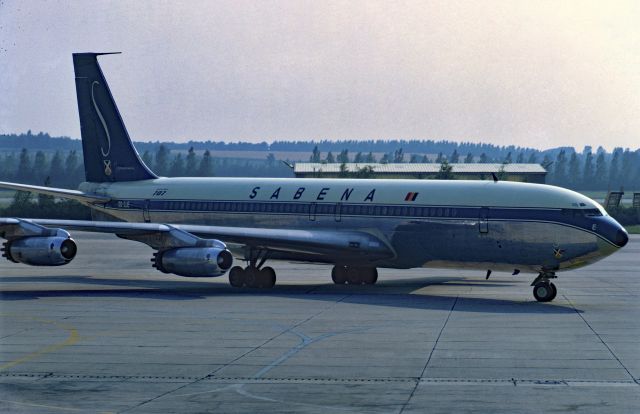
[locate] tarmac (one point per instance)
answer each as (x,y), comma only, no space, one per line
(109,334)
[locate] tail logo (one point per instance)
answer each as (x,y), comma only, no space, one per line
(107,167)
(106,130)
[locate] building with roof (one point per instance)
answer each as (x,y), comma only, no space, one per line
(528,173)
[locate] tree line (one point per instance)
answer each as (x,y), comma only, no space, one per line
(58,160)
(44,141)
(567,168)
(66,168)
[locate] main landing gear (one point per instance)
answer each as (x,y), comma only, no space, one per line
(354,275)
(254,275)
(543,289)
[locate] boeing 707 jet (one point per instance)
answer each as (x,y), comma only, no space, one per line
(197,225)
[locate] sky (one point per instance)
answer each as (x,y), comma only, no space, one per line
(540,74)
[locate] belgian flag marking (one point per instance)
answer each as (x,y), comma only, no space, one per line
(411,197)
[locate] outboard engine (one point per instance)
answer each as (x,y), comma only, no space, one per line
(41,251)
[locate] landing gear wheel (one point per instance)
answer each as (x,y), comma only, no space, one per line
(544,291)
(370,275)
(236,276)
(339,275)
(354,276)
(266,278)
(251,277)
(555,291)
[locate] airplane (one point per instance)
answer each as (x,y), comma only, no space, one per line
(197,225)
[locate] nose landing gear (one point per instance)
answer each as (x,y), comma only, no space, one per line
(543,289)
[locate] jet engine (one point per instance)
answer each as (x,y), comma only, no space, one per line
(41,251)
(193,261)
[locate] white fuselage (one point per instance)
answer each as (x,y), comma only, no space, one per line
(478,224)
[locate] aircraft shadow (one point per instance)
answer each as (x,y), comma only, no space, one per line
(397,293)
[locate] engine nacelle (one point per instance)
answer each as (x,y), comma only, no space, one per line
(193,261)
(41,251)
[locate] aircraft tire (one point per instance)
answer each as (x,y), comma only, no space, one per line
(236,276)
(372,276)
(251,277)
(544,292)
(355,275)
(555,290)
(266,278)
(339,275)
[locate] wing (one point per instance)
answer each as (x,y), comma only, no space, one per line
(339,245)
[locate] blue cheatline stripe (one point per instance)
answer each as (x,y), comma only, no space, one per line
(573,216)
(569,217)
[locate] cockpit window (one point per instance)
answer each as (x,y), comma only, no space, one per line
(592,212)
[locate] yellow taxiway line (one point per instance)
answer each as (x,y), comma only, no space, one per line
(72,339)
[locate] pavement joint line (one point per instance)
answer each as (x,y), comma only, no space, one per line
(424,369)
(211,374)
(275,380)
(601,340)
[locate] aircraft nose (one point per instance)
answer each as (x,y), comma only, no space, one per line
(622,238)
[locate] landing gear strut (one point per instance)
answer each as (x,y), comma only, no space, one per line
(543,289)
(254,275)
(354,275)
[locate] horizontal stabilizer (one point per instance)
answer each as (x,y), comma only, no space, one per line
(57,192)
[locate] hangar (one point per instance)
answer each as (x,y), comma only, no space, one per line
(528,173)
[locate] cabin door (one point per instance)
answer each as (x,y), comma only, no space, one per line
(483,220)
(312,212)
(145,211)
(338,212)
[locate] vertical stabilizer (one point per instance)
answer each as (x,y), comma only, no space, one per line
(109,154)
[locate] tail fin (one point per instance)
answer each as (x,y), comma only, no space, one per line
(109,154)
